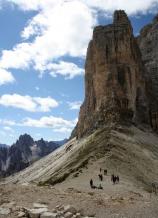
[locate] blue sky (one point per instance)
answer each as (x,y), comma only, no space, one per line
(43,46)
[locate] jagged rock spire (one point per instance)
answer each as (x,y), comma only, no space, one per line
(148,43)
(120,17)
(114,82)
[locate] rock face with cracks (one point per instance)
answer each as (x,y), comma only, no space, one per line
(115,86)
(148,43)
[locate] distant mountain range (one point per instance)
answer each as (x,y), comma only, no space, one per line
(62,142)
(3,145)
(23,153)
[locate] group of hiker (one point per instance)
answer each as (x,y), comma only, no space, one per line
(114,179)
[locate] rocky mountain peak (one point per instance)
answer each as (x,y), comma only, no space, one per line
(25,139)
(22,153)
(120,17)
(115,87)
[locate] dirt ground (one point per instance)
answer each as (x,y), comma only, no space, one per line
(121,200)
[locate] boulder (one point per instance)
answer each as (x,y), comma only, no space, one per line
(21,214)
(78,215)
(68,215)
(35,213)
(4,211)
(70,209)
(49,215)
(59,207)
(9,204)
(39,205)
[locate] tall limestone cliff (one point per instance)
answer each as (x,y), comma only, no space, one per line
(115,87)
(148,43)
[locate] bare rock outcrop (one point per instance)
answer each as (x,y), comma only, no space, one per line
(115,87)
(148,43)
(42,211)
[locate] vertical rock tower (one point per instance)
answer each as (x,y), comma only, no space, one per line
(114,82)
(148,43)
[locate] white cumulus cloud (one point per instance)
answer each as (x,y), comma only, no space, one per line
(60,28)
(57,124)
(34,4)
(7,122)
(8,128)
(63,130)
(28,103)
(66,69)
(131,7)
(75,105)
(6,77)
(49,122)
(56,33)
